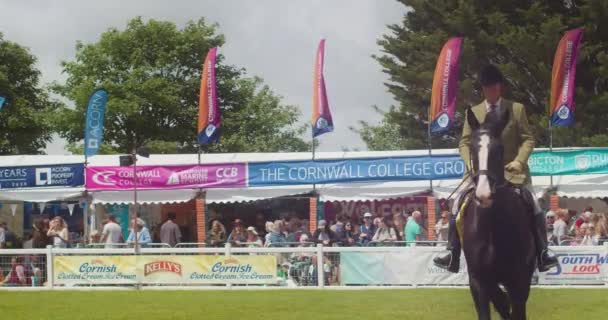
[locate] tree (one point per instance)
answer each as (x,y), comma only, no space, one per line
(24,125)
(520,37)
(152,72)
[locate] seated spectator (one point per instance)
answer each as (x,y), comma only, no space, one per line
(442,226)
(58,232)
(238,235)
(324,235)
(304,241)
(550,220)
(339,231)
(3,234)
(560,225)
(143,234)
(600,221)
(587,235)
(377,221)
(39,237)
(217,234)
(276,238)
(399,224)
(18,274)
(367,230)
(253,240)
(385,232)
(349,236)
(269,227)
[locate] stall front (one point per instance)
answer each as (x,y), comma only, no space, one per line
(41,187)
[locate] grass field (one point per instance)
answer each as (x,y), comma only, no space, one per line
(441,304)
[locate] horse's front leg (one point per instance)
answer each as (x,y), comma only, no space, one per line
(481,296)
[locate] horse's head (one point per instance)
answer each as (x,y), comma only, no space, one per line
(487,153)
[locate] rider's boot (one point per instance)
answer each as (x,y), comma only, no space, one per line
(451,261)
(539,229)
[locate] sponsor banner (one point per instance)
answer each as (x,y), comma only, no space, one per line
(355,170)
(408,266)
(167,177)
(196,269)
(578,265)
(71,270)
(65,175)
(592,161)
(541,163)
(322,121)
(209,117)
(208,269)
(561,108)
(96,109)
(445,86)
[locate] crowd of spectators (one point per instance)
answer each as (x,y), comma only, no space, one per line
(357,231)
(571,228)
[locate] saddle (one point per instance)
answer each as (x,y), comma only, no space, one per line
(468,196)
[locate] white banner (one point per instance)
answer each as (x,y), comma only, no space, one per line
(414,266)
(407,266)
(578,265)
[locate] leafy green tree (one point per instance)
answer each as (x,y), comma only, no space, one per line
(24,125)
(152,72)
(520,37)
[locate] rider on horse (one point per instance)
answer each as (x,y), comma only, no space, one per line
(518,143)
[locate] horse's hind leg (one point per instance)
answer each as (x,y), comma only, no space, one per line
(481,297)
(501,303)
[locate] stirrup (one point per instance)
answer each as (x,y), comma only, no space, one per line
(545,257)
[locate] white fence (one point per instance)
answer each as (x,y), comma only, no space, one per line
(263,268)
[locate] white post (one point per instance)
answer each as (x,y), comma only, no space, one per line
(320,267)
(228,247)
(50,278)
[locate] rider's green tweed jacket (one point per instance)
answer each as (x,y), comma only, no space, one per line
(517,138)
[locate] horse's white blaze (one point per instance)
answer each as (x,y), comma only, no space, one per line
(483,191)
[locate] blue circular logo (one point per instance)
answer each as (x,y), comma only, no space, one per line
(443,120)
(210,130)
(322,123)
(563,112)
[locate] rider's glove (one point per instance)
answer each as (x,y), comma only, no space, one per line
(514,167)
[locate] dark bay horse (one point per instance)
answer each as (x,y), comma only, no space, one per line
(497,241)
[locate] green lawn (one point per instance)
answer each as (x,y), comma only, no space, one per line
(311,305)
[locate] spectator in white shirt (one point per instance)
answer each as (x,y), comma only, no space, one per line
(2,235)
(560,225)
(58,232)
(385,232)
(112,233)
(442,226)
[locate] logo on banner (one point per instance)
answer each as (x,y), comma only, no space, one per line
(43,176)
(443,120)
(322,123)
(582,162)
(579,264)
(210,130)
(563,112)
(103,178)
(173,179)
(162,266)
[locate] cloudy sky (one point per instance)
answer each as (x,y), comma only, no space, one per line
(273,39)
